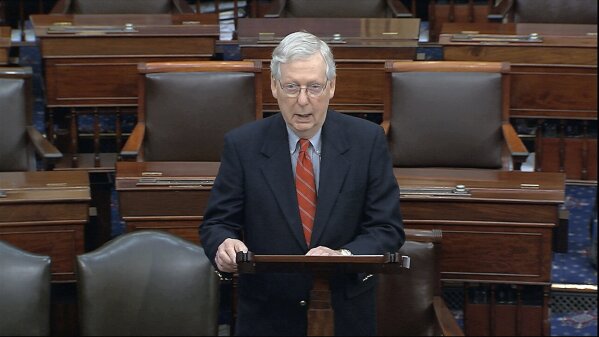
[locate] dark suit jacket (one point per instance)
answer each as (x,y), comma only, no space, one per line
(254,199)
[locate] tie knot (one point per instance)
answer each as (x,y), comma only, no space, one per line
(304,143)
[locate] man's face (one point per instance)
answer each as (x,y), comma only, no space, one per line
(305,113)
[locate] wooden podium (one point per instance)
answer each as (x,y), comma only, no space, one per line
(320,312)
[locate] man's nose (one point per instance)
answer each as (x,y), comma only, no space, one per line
(303,98)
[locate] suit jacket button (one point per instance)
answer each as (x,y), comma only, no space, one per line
(302,303)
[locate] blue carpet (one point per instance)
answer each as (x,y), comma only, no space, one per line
(583,323)
(575,266)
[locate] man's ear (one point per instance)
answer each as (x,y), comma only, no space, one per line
(273,87)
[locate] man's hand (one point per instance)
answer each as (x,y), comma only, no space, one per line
(325,251)
(226,254)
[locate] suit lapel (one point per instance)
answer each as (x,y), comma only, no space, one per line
(278,174)
(333,171)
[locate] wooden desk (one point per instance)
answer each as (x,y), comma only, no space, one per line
(175,202)
(91,60)
(558,44)
(497,240)
(5,43)
(46,213)
(360,50)
(552,78)
(499,233)
(486,222)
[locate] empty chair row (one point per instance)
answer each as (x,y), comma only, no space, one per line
(155,283)
(185,108)
(141,283)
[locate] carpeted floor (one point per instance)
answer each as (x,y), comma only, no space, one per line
(576,314)
(575,266)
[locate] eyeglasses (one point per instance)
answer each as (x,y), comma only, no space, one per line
(294,90)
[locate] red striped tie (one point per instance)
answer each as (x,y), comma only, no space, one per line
(305,188)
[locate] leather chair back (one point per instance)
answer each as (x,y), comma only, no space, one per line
(187,114)
(185,108)
(446,117)
(337,8)
(15,112)
(405,300)
(147,283)
(24,292)
(556,11)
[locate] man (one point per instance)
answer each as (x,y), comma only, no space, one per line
(254,202)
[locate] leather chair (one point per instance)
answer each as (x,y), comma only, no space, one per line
(24,292)
(20,142)
(147,283)
(548,11)
(121,7)
(450,114)
(185,108)
(337,8)
(410,303)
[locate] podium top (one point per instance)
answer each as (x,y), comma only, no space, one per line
(389,263)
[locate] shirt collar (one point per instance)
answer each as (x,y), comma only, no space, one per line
(293,139)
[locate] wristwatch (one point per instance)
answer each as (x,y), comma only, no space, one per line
(344,252)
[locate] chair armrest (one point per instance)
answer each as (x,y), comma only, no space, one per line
(500,10)
(43,147)
(61,7)
(386,125)
(44,150)
(275,10)
(133,145)
(398,9)
(515,146)
(445,320)
(182,6)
